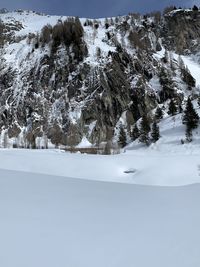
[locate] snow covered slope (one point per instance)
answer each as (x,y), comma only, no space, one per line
(31,22)
(53,221)
(153,166)
(192,65)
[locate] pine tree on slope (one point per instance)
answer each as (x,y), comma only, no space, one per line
(172,108)
(158,114)
(135,133)
(155,132)
(122,141)
(195,8)
(190,119)
(144,130)
(180,109)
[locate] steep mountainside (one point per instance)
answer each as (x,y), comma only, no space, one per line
(63,79)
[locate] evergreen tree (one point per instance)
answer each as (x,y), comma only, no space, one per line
(188,78)
(180,109)
(122,141)
(144,130)
(188,134)
(190,119)
(167,83)
(135,133)
(195,8)
(158,114)
(172,108)
(155,132)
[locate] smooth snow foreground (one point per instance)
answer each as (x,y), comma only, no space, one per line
(151,167)
(49,220)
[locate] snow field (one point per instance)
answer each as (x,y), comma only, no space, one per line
(53,221)
(151,167)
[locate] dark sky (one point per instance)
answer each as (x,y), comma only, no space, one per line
(94,8)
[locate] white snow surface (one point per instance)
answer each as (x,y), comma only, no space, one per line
(192,65)
(190,61)
(32,22)
(48,219)
(84,143)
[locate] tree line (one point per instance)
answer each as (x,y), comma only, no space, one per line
(147,130)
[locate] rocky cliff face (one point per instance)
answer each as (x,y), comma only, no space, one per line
(62,79)
(181,31)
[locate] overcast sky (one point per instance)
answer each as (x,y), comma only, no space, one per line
(94,8)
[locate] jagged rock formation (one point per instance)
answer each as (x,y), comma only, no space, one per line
(66,78)
(181,31)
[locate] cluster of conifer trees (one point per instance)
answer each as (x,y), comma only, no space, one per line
(148,130)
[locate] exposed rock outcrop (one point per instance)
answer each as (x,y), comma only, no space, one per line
(72,78)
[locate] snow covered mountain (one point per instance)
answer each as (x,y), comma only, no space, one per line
(64,79)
